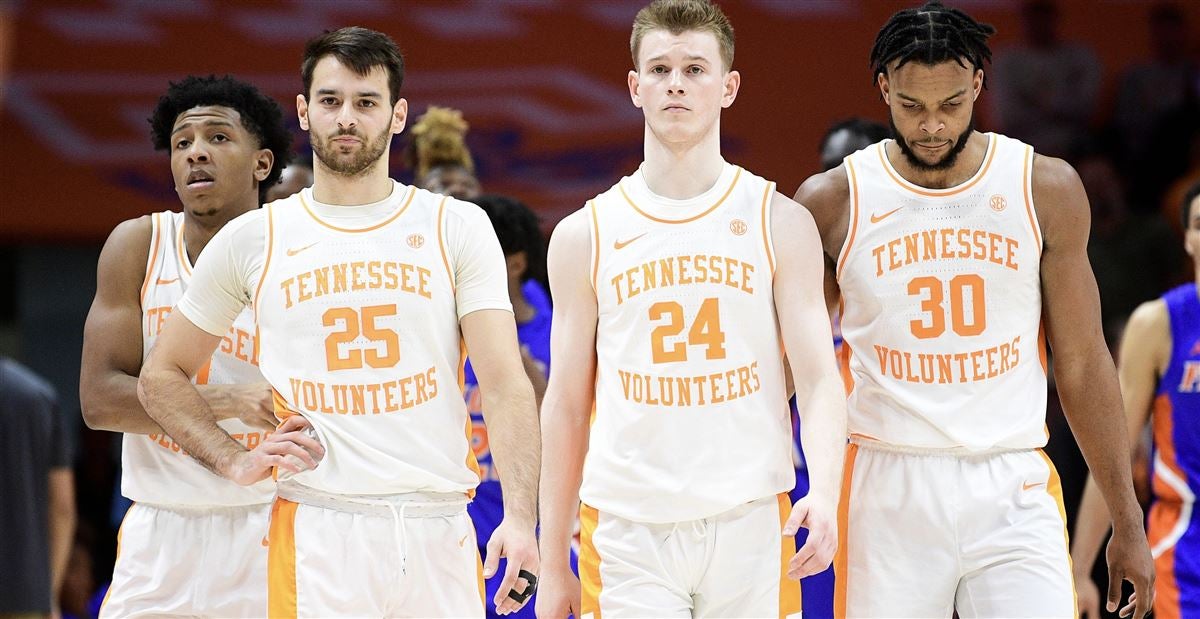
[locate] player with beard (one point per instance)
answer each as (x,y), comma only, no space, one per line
(957,253)
(363,290)
(191,543)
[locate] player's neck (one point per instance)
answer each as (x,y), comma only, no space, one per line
(198,229)
(370,186)
(967,164)
(682,171)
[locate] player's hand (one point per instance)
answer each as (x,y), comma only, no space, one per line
(289,447)
(816,554)
(253,404)
(1087,596)
(559,594)
(517,543)
(1129,559)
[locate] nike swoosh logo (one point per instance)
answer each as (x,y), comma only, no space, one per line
(164,282)
(622,244)
(293,252)
(1027,486)
(878,218)
(463,540)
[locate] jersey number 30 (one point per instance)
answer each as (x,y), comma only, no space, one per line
(934,324)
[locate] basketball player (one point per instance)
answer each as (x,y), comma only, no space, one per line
(1160,380)
(950,247)
(362,288)
(673,303)
(191,542)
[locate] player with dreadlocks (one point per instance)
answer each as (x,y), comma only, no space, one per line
(956,253)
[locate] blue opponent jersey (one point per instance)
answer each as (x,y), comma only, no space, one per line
(1174,526)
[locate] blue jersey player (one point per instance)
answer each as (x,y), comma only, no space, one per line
(1160,380)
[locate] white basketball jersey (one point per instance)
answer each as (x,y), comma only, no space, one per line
(359,333)
(942,306)
(154,468)
(691,412)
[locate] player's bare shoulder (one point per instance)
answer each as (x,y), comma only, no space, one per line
(1058,196)
(126,250)
(1148,333)
(826,196)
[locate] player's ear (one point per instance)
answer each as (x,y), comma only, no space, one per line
(399,115)
(733,81)
(302,111)
(517,264)
(633,89)
(884,87)
(977,84)
(264,160)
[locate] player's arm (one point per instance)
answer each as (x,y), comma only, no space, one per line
(820,399)
(1145,347)
(215,296)
(567,409)
(1083,370)
(509,409)
(61,513)
(827,197)
(112,346)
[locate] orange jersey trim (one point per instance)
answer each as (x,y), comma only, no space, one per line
(766,227)
(595,244)
(400,211)
(841,558)
(940,193)
(442,242)
(789,590)
(267,262)
(472,462)
(853,176)
(589,561)
(736,175)
(1054,488)
(157,230)
(1027,190)
(281,560)
(120,530)
(181,249)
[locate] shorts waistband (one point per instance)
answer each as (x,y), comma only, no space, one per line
(948,452)
(411,504)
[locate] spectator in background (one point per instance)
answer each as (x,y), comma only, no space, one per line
(1045,88)
(296,176)
(37,490)
(1133,255)
(438,154)
(1156,106)
(848,136)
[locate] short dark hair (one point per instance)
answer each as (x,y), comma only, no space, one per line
(260,114)
(868,130)
(518,229)
(1188,198)
(930,35)
(361,50)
